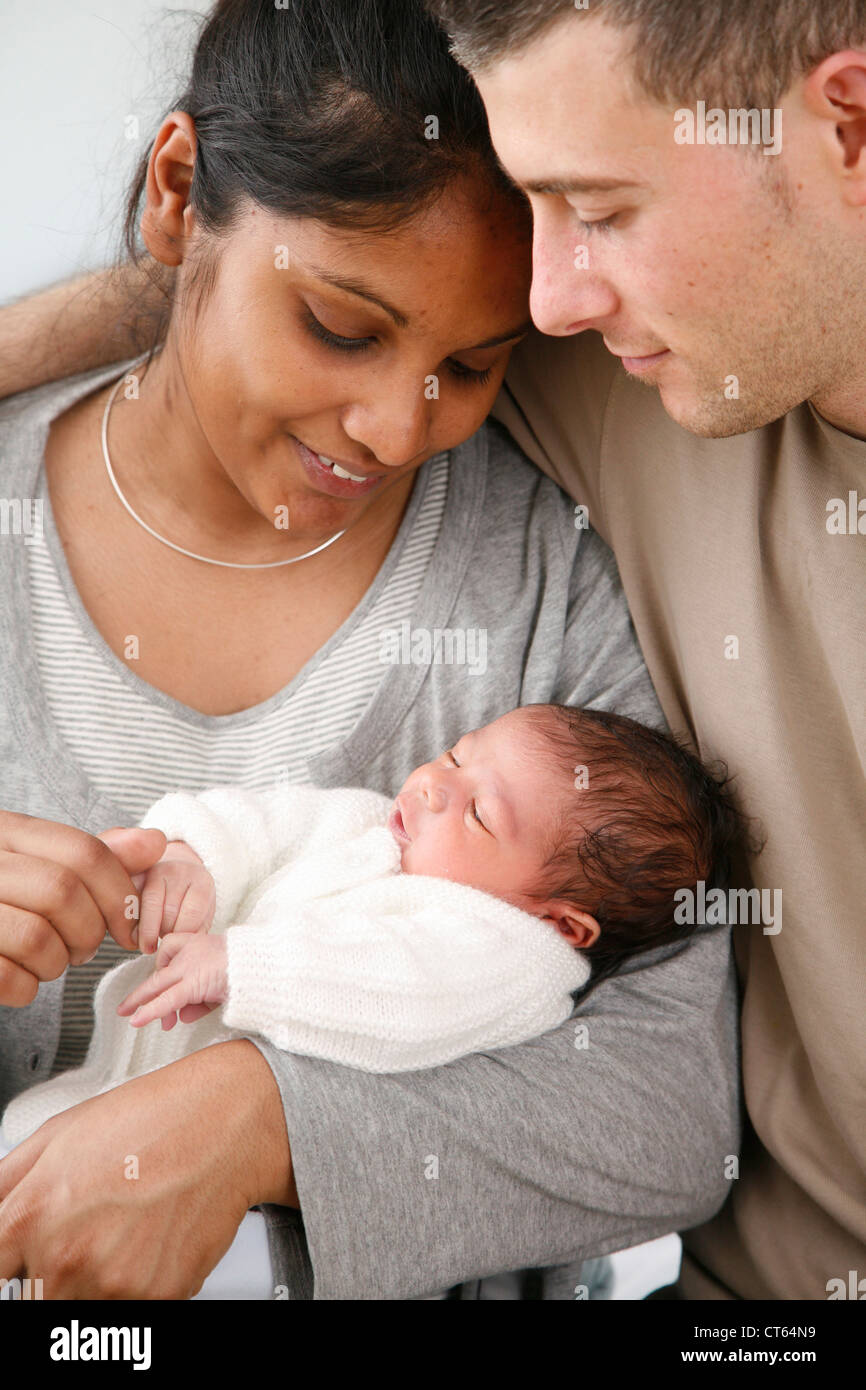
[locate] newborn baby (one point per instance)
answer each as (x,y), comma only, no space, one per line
(395,935)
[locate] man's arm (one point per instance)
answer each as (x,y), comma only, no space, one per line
(73,327)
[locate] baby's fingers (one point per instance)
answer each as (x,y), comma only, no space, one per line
(164,1006)
(160,979)
(197,908)
(152,907)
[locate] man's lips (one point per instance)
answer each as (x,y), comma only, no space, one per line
(637,363)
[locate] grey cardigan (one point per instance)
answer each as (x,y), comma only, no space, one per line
(608,1131)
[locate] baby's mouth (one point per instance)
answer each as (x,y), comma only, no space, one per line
(396,826)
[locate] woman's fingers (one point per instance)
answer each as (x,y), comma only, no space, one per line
(18,987)
(84,877)
(35,890)
(29,940)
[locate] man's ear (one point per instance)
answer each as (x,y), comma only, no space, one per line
(836,91)
(577,927)
(167,219)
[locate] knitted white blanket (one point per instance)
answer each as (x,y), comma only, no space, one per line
(333,951)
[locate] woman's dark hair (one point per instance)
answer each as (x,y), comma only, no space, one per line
(349,111)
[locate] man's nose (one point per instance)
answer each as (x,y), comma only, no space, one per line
(568,292)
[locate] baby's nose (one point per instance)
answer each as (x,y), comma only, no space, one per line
(435,795)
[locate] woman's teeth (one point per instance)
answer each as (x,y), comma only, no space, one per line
(337,470)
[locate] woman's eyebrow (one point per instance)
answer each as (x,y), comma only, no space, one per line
(343,282)
(500,338)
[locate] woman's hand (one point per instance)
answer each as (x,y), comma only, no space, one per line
(139,1192)
(61,889)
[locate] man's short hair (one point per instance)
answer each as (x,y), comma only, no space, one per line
(729,53)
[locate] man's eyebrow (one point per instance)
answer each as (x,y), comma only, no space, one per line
(343,282)
(590,185)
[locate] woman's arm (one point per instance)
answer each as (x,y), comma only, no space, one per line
(70,328)
(609,1131)
(92,1226)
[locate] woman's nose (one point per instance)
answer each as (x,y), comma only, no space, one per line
(394,422)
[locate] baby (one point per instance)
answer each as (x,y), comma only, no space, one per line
(393,935)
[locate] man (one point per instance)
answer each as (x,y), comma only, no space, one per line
(697,173)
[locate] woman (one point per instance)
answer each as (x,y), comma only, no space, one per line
(212,605)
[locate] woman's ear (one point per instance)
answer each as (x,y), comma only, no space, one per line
(579,928)
(167,219)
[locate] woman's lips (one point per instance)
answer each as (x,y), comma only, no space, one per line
(325,480)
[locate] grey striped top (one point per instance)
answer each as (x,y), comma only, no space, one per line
(546,1151)
(134,743)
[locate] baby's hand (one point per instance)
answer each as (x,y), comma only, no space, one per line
(177,894)
(190,980)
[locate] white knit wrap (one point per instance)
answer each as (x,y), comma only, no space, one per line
(333,951)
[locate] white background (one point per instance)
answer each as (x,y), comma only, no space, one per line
(70,74)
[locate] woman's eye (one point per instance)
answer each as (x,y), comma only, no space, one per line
(334,340)
(467,376)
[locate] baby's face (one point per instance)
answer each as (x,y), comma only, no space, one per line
(481,813)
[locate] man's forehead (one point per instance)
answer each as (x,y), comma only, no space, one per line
(563,111)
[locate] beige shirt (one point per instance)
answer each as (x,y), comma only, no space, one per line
(751,611)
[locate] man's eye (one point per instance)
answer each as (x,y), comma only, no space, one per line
(603,224)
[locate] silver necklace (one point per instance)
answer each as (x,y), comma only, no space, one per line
(227,564)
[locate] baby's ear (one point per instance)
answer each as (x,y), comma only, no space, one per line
(580,929)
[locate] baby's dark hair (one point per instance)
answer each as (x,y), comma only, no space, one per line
(649,819)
